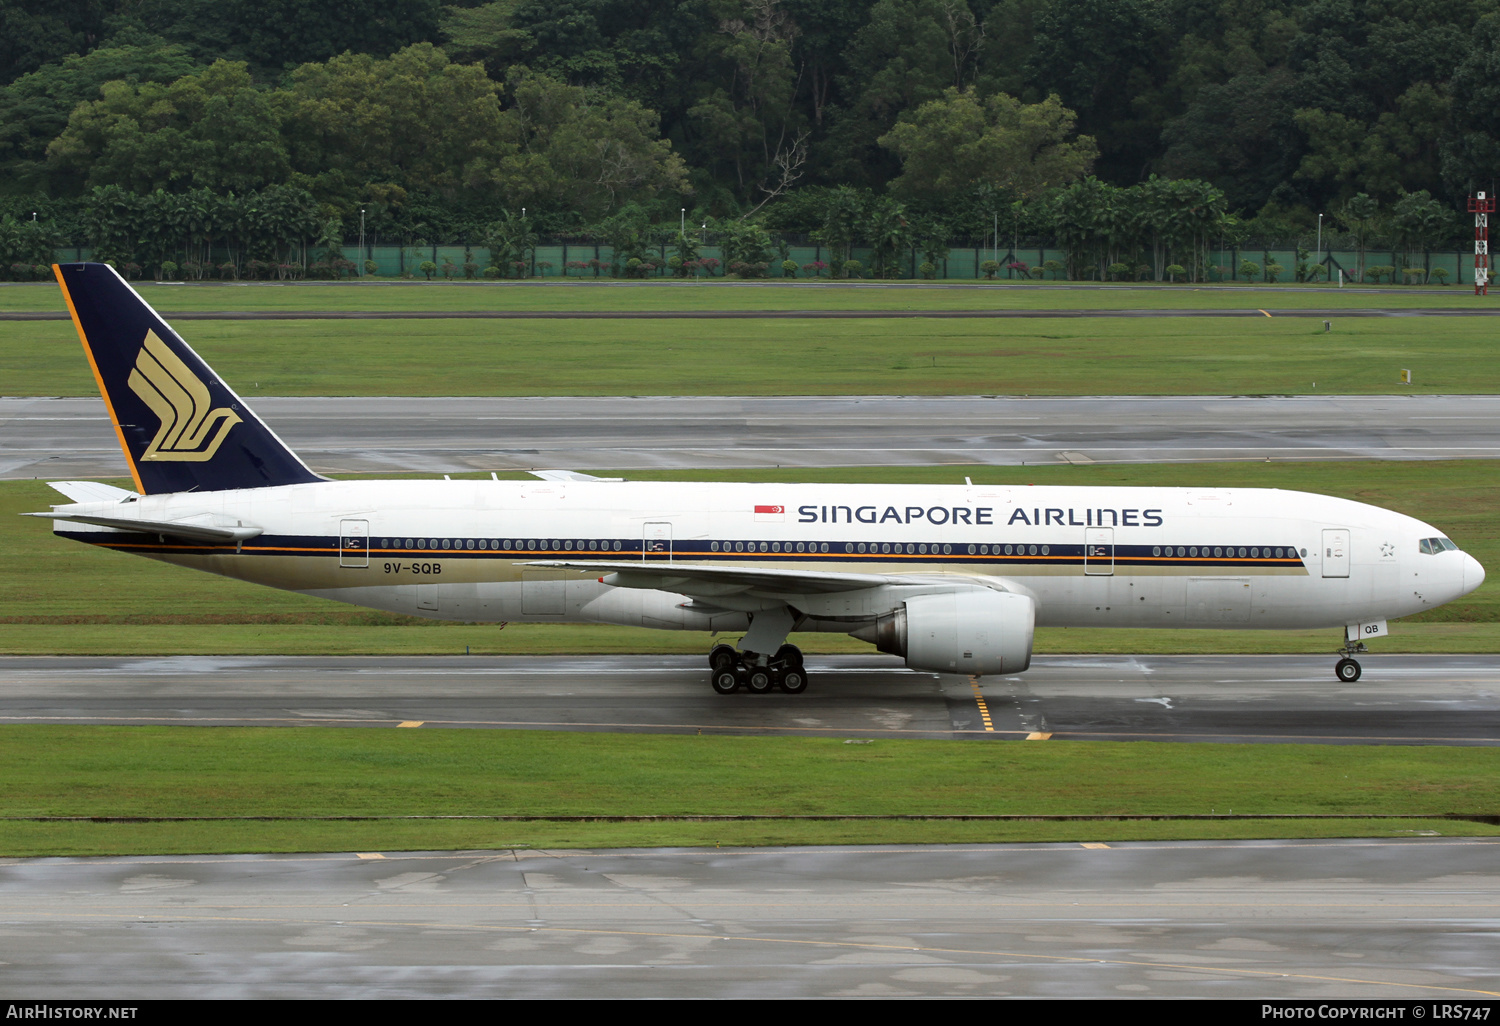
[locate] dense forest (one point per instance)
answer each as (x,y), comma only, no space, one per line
(146,127)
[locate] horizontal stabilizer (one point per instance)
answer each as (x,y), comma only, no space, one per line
(569,475)
(92,491)
(204,532)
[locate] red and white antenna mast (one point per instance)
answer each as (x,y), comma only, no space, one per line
(1481,208)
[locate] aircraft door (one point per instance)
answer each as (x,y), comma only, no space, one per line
(354,543)
(656,540)
(1099,551)
(1336,552)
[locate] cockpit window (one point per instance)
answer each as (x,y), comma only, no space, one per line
(1432,546)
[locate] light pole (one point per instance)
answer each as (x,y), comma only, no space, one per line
(362,242)
(1320,240)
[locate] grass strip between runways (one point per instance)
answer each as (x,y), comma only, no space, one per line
(244,772)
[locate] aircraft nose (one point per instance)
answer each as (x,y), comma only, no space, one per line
(1473,573)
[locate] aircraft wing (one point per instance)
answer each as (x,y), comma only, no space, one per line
(203,532)
(711,581)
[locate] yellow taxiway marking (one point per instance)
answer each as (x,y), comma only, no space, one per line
(1039,735)
(411,723)
(1093,844)
(984,710)
(368,855)
(1266,313)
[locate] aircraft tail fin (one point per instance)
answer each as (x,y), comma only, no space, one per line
(181,427)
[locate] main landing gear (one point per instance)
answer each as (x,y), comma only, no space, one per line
(1348,669)
(733,669)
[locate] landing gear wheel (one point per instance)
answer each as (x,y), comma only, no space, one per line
(722,657)
(1348,670)
(790,655)
(725,682)
(760,681)
(794,681)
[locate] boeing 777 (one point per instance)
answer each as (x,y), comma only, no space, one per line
(952,578)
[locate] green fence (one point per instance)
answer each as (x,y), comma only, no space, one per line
(553,258)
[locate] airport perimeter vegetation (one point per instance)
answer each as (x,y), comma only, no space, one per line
(115,790)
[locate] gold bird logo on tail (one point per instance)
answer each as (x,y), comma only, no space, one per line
(181,402)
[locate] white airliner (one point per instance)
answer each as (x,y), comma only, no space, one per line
(953,578)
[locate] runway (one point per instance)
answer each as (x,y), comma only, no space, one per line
(1391,920)
(71,437)
(1401,699)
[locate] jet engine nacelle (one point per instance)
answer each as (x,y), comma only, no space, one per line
(977,631)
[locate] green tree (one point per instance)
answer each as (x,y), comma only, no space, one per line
(34,109)
(1359,214)
(35,32)
(412,119)
(746,120)
(1419,222)
(510,240)
(598,153)
(953,144)
(273,35)
(1239,135)
(1400,148)
(212,130)
(1097,58)
(888,231)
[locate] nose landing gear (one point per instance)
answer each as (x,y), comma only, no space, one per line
(760,674)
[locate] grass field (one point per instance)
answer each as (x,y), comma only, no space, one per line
(1089,356)
(59,597)
(608,295)
(323,774)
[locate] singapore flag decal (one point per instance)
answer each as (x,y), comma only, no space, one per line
(770,514)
